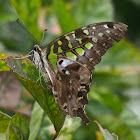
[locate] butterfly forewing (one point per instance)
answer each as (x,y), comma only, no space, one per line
(87,44)
(70,60)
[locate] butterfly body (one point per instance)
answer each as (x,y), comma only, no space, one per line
(67,63)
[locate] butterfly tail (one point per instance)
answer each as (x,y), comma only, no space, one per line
(81,114)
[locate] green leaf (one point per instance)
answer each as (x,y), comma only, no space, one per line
(130,17)
(121,56)
(69,129)
(131,120)
(46,128)
(105,97)
(6,12)
(116,125)
(3,65)
(15,40)
(13,128)
(126,125)
(106,134)
(122,103)
(4,122)
(35,121)
(28,11)
(92,11)
(65,19)
(27,74)
(18,128)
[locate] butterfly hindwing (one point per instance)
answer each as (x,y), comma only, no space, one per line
(70,87)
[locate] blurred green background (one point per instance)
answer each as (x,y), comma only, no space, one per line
(114,98)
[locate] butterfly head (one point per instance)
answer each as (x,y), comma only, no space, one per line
(37,48)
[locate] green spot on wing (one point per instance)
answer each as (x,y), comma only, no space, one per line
(71,55)
(80,51)
(52,49)
(106,26)
(53,60)
(67,37)
(97,52)
(60,50)
(94,40)
(59,42)
(107,31)
(109,38)
(52,56)
(67,72)
(90,59)
(88,45)
(73,35)
(86,32)
(100,34)
(69,45)
(80,40)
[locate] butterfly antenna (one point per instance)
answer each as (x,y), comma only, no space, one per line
(27,31)
(43,35)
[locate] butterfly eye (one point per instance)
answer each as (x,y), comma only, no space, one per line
(35,47)
(60,62)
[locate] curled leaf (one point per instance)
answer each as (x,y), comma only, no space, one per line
(106,134)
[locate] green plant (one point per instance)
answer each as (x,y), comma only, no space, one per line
(114,94)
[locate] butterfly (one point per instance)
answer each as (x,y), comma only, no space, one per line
(67,63)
